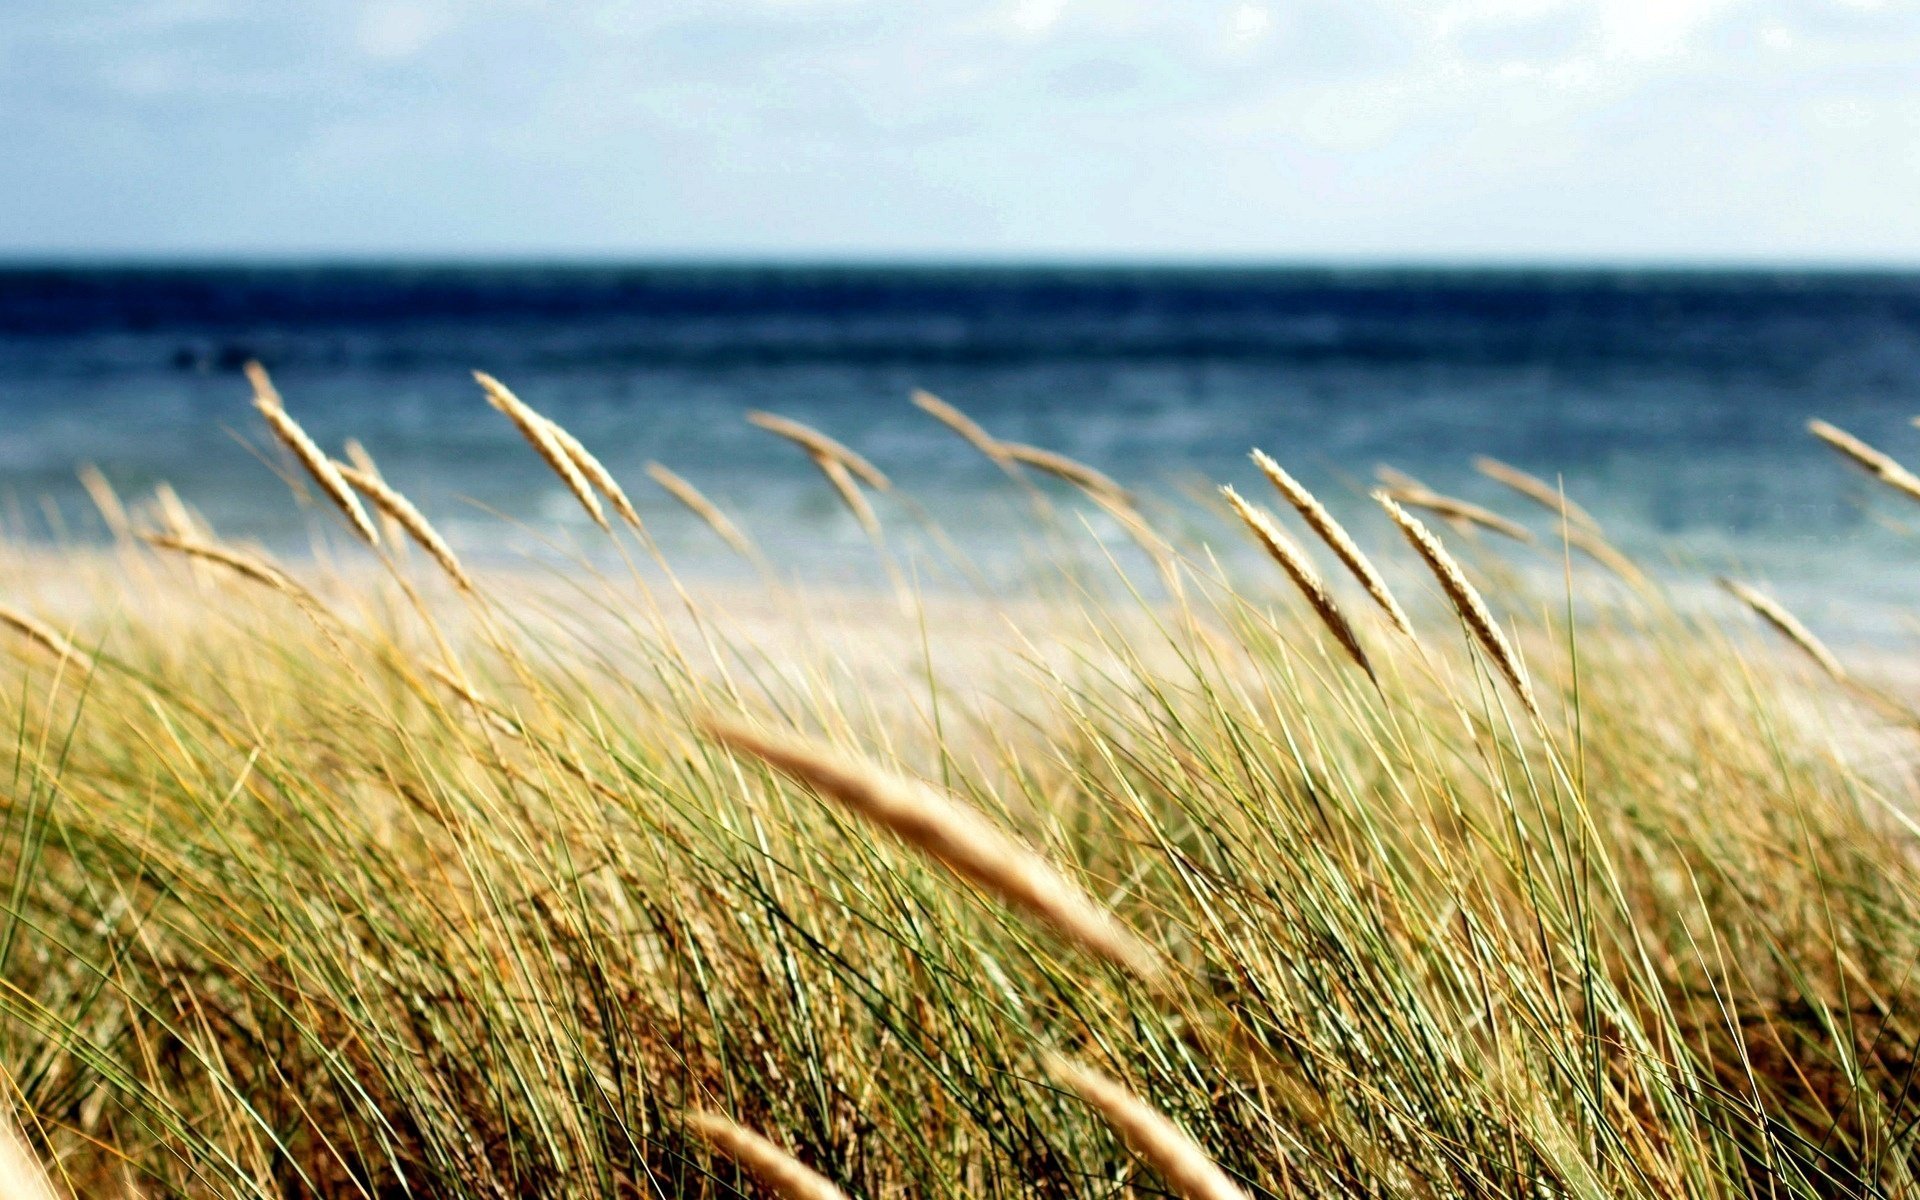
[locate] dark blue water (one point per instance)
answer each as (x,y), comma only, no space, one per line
(1673,404)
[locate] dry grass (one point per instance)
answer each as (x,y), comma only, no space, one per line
(784,1176)
(1336,538)
(1293,561)
(494,893)
(959,837)
(399,510)
(1148,1133)
(697,503)
(542,435)
(1466,601)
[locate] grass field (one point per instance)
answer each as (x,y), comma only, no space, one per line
(388,877)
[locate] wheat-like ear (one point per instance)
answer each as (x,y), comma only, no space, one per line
(956,835)
(1880,465)
(1787,625)
(1061,467)
(961,424)
(480,704)
(819,445)
(1466,600)
(1293,561)
(1537,490)
(1597,547)
(1335,536)
(782,1173)
(697,502)
(1464,511)
(1188,1169)
(106,500)
(539,434)
(247,566)
(401,511)
(849,492)
(391,531)
(175,517)
(267,400)
(21,1175)
(44,635)
(595,471)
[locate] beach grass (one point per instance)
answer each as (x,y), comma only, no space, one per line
(377,876)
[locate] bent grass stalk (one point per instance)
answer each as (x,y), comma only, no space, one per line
(391,530)
(962,424)
(43,635)
(1336,538)
(1465,599)
(1788,626)
(1463,512)
(1072,470)
(1537,490)
(267,400)
(842,480)
(401,511)
(783,1174)
(954,834)
(1293,561)
(539,434)
(819,445)
(106,500)
(1188,1169)
(1879,464)
(697,503)
(595,472)
(248,566)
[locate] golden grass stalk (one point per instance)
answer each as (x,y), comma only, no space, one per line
(480,704)
(697,502)
(850,493)
(1466,600)
(957,836)
(820,446)
(539,433)
(1188,1170)
(1788,626)
(1293,561)
(391,530)
(401,512)
(1537,490)
(247,566)
(1597,547)
(43,635)
(596,473)
(961,424)
(1880,465)
(1335,536)
(1398,480)
(783,1174)
(175,517)
(304,448)
(21,1175)
(1463,511)
(1061,467)
(104,498)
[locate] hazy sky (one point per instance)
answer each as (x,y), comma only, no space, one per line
(1555,129)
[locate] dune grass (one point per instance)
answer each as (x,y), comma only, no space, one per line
(361,880)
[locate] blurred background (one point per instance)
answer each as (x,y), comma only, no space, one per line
(1632,245)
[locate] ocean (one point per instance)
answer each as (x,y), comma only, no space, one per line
(1671,403)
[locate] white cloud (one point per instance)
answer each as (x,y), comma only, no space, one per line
(1281,127)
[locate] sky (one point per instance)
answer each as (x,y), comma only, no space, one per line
(1365,130)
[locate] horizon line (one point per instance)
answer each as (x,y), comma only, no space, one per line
(23,260)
